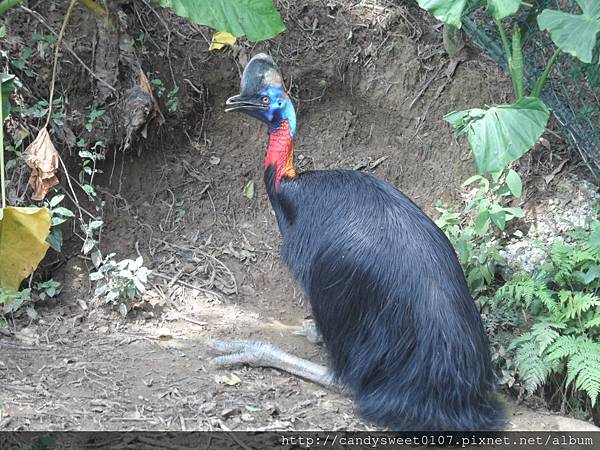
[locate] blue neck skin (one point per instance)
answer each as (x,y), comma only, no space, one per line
(280,108)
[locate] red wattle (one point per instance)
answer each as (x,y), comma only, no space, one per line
(280,152)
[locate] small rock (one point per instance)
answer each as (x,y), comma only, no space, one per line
(554,218)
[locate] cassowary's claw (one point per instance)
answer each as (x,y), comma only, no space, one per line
(310,331)
(264,354)
(253,353)
(235,346)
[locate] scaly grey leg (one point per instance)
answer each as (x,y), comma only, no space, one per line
(263,354)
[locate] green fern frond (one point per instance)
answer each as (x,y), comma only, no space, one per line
(561,252)
(533,367)
(519,341)
(584,368)
(575,303)
(564,346)
(545,333)
(594,322)
(584,301)
(520,290)
(547,298)
(583,254)
(564,261)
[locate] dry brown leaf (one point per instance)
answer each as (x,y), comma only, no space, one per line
(147,88)
(43,160)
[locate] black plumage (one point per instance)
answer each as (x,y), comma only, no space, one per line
(387,292)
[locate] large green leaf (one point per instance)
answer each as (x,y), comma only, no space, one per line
(500,9)
(448,11)
(7,86)
(574,34)
(255,19)
(501,134)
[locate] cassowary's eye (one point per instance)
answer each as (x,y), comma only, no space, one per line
(265,100)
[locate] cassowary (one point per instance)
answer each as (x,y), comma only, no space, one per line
(388,295)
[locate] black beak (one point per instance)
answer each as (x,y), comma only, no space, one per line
(237,103)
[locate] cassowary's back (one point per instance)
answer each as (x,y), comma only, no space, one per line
(389,296)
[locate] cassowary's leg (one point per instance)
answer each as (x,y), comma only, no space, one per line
(263,354)
(310,331)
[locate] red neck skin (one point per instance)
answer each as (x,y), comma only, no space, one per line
(280,153)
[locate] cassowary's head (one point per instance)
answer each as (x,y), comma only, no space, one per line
(262,94)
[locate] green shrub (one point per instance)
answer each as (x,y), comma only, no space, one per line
(561,303)
(476,232)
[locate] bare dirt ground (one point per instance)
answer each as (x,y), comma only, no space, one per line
(371,82)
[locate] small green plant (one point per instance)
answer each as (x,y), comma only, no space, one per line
(172,99)
(59,215)
(120,282)
(160,87)
(92,231)
(94,114)
(40,109)
(11,300)
(475,232)
(47,289)
(171,95)
(45,39)
(89,159)
(22,62)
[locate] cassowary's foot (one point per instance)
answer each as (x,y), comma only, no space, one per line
(309,329)
(263,354)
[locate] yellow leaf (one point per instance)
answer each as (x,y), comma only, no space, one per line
(248,191)
(220,39)
(23,233)
(231,380)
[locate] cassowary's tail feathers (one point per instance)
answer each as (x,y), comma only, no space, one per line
(396,412)
(447,382)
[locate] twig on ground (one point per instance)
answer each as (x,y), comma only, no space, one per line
(183,283)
